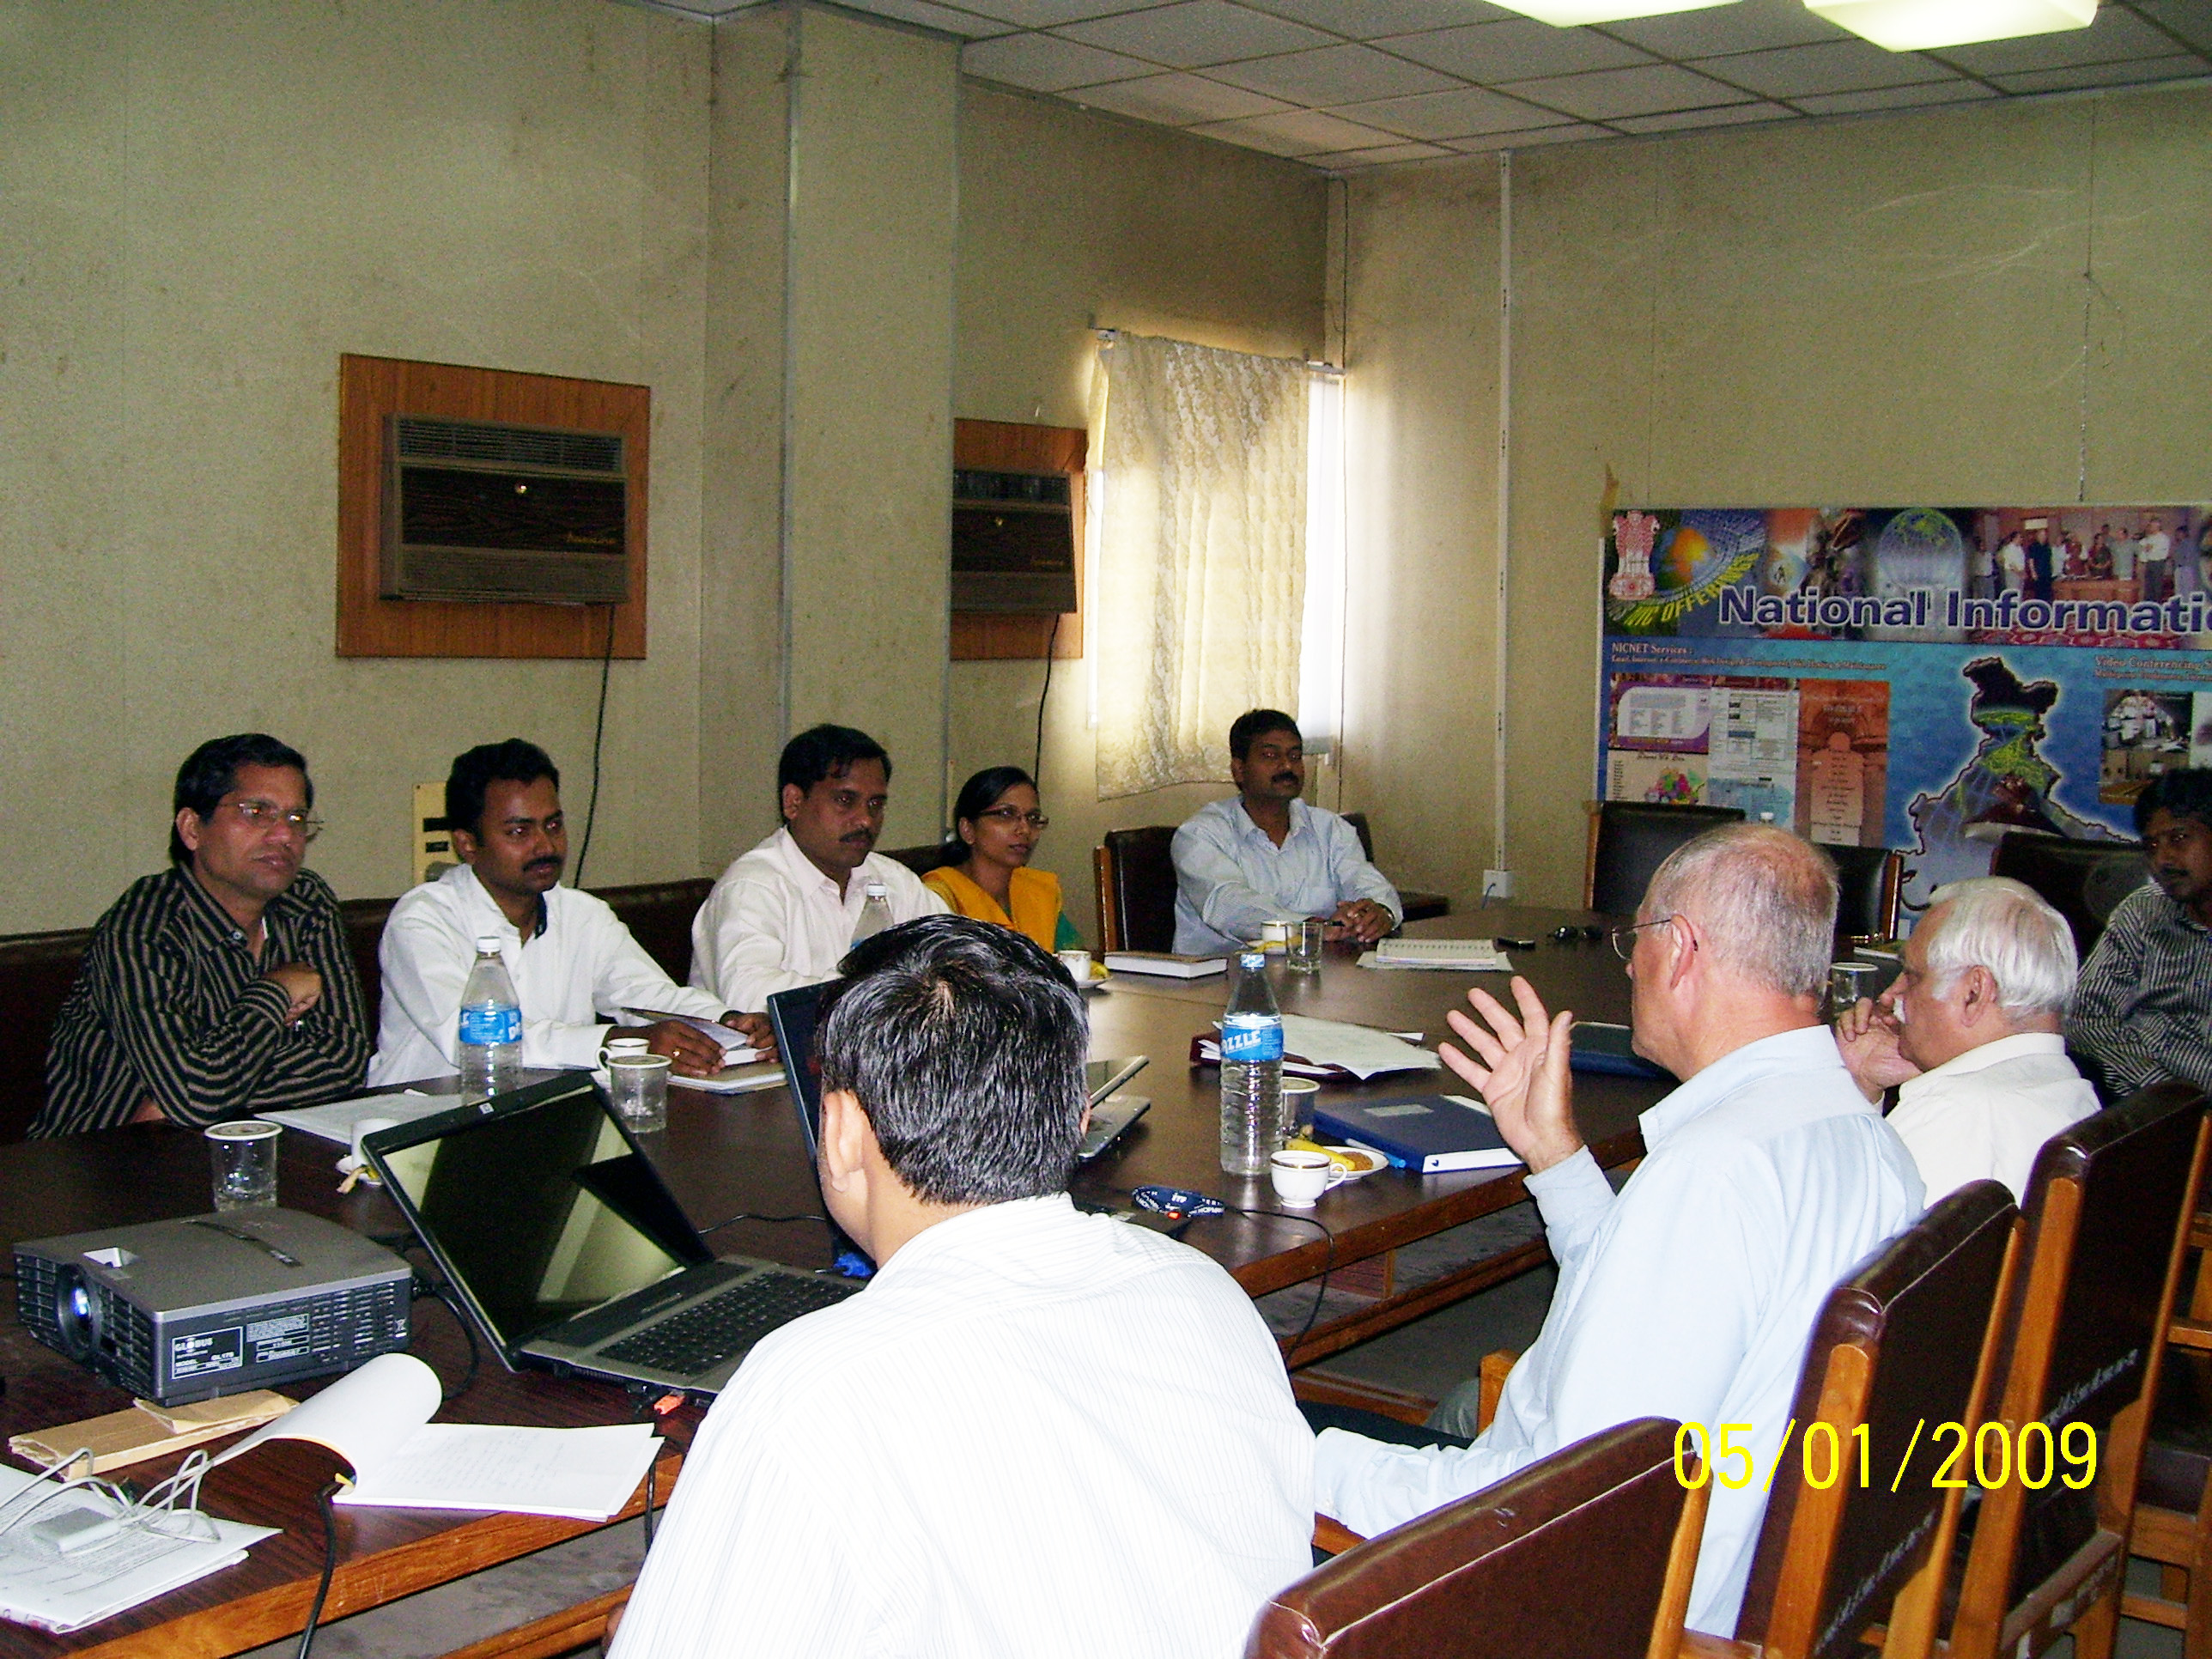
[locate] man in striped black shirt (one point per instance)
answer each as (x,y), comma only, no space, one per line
(223,986)
(2142,1010)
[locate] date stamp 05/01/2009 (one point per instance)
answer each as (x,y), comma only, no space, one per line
(1994,1454)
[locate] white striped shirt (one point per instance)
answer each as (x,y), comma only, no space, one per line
(1036,1433)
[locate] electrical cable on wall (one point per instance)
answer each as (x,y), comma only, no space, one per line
(1051,644)
(598,737)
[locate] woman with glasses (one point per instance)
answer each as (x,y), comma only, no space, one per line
(998,820)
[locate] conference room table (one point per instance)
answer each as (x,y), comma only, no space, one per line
(727,1157)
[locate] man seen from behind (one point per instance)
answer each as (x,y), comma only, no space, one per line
(1036,1433)
(1690,1293)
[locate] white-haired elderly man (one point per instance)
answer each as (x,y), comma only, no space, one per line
(1969,1035)
(1690,1293)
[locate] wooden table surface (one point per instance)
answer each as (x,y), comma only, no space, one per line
(722,1156)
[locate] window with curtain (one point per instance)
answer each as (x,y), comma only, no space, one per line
(1199,471)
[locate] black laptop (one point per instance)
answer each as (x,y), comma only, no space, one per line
(565,1245)
(792,1014)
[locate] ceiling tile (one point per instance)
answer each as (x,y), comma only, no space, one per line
(1345,161)
(1197,32)
(1930,92)
(1460,114)
(1298,133)
(2142,70)
(2191,20)
(1832,66)
(1179,100)
(1747,26)
(1049,13)
(1644,91)
(2116,36)
(1334,75)
(1370,19)
(1044,63)
(1684,119)
(1566,135)
(933,17)
(1515,49)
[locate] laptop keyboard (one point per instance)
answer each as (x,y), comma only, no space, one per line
(702,1337)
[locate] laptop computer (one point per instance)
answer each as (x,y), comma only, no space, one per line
(793,1013)
(568,1250)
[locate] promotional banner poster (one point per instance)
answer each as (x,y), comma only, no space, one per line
(1916,677)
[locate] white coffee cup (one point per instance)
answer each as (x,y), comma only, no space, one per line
(1078,963)
(1300,1178)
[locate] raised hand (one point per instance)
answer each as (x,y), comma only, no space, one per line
(1519,1067)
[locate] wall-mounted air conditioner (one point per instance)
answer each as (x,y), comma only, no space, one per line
(478,510)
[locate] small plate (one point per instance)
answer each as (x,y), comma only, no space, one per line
(1362,1162)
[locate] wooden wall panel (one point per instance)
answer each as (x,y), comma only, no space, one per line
(982,636)
(369,625)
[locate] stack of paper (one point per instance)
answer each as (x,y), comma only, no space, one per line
(1464,955)
(1331,1050)
(336,1120)
(79,1584)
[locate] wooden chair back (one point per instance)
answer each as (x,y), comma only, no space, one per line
(1629,840)
(1507,1572)
(1909,1338)
(2108,1213)
(1137,889)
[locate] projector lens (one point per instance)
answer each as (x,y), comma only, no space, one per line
(75,1314)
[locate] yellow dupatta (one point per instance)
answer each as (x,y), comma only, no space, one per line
(1034,894)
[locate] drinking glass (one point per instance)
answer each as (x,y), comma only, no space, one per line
(1303,944)
(243,1160)
(639,1084)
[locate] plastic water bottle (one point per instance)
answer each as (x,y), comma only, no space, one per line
(875,912)
(1251,1070)
(490,1049)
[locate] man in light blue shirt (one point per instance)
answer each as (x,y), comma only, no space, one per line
(1267,856)
(1691,1293)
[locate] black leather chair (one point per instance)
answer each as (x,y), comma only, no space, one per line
(1505,1573)
(1630,840)
(1870,880)
(2084,880)
(1135,872)
(1419,906)
(935,856)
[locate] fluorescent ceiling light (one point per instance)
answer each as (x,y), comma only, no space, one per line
(1566,13)
(1924,25)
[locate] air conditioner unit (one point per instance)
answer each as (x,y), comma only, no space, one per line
(1013,543)
(477,510)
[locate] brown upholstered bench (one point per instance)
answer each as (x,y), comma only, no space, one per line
(38,970)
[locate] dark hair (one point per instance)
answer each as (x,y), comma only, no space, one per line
(824,751)
(964,1044)
(474,772)
(981,792)
(211,772)
(1255,724)
(2186,794)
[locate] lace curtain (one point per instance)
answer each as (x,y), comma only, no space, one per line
(1201,588)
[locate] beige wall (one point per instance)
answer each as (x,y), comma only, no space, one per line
(1886,310)
(1070,220)
(201,206)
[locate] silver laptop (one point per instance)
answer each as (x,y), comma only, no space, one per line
(561,1240)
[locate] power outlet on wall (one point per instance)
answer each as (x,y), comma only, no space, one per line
(432,845)
(1497,884)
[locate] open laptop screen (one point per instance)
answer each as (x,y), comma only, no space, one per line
(540,1210)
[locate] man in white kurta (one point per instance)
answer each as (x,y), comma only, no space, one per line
(575,967)
(1036,1434)
(1969,1034)
(784,914)
(1690,1293)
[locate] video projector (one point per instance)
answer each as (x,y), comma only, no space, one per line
(203,1305)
